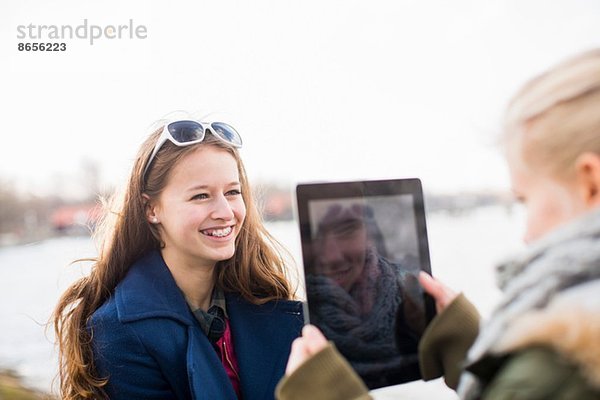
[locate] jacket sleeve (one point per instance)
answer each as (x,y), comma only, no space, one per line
(121,358)
(326,375)
(538,373)
(445,342)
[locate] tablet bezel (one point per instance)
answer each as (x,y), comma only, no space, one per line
(307,192)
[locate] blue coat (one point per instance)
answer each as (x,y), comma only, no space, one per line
(148,343)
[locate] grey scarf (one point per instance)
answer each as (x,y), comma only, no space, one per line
(564,258)
(367,340)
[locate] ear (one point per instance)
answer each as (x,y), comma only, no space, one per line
(587,169)
(150,210)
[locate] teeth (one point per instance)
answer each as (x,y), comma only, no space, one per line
(218,232)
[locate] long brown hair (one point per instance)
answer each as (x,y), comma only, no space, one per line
(256,271)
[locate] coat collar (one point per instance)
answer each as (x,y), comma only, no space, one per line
(262,334)
(149,291)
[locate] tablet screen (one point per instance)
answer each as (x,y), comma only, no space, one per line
(363,244)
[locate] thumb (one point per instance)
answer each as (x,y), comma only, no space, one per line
(430,285)
(442,294)
(314,339)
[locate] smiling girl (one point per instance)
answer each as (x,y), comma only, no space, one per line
(188,297)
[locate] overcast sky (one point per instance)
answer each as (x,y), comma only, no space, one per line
(319,90)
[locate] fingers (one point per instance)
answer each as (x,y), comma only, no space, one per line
(442,294)
(298,355)
(311,342)
(315,340)
(430,285)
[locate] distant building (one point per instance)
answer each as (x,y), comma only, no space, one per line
(278,206)
(75,219)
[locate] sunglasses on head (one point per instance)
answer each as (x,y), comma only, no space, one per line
(187,132)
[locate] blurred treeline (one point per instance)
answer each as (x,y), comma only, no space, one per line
(23,214)
(69,204)
(28,213)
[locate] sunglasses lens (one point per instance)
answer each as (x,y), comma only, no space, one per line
(186,131)
(227,133)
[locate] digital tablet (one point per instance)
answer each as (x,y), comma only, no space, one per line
(363,245)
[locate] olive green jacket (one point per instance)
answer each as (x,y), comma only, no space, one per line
(529,366)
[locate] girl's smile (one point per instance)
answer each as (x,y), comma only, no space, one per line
(201,209)
(218,233)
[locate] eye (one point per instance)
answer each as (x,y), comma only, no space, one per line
(518,196)
(520,199)
(200,196)
(234,192)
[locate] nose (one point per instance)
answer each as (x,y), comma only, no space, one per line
(222,209)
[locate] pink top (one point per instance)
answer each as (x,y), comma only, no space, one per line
(227,353)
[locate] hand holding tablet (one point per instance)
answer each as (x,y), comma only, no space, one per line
(363,245)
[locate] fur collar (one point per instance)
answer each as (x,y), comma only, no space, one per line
(569,324)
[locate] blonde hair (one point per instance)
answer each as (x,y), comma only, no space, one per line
(556,116)
(256,271)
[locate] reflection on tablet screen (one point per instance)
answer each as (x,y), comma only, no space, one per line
(361,268)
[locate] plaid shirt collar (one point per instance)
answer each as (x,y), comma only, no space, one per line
(212,321)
